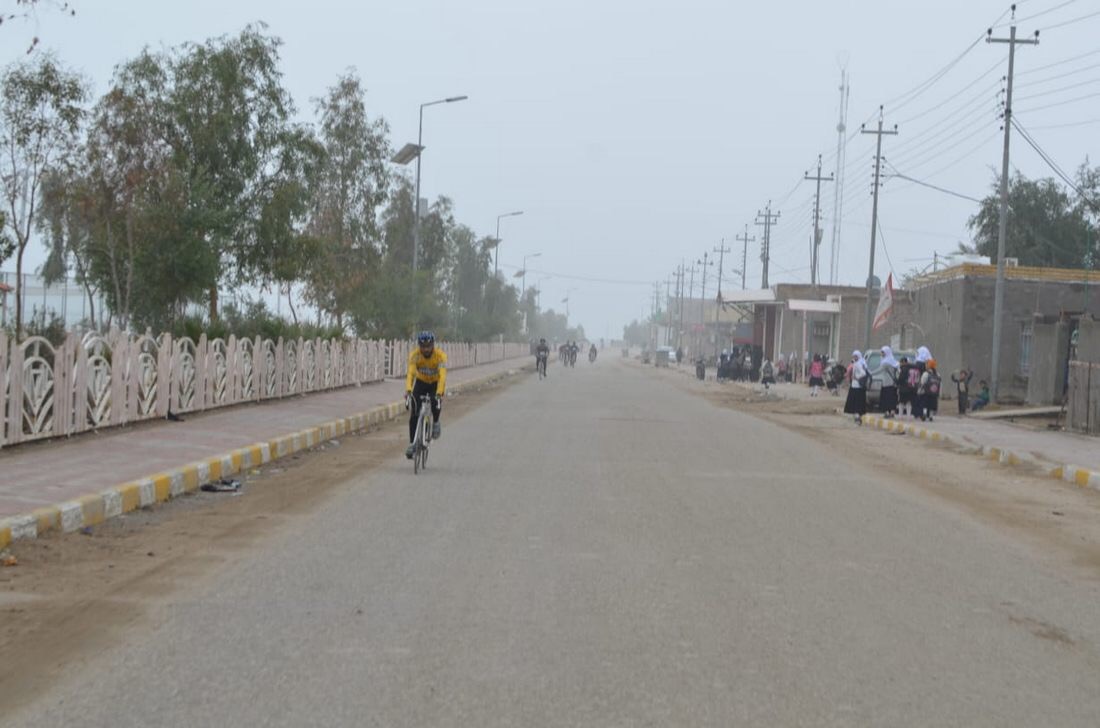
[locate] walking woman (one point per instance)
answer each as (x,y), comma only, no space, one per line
(856,404)
(888,396)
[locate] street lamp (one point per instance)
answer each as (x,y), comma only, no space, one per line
(496,241)
(566,302)
(538,291)
(523,290)
(405,155)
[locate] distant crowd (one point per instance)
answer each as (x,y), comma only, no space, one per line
(906,386)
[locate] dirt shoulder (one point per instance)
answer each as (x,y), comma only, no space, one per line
(73,594)
(1061,521)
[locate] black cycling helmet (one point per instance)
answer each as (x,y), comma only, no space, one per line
(425,337)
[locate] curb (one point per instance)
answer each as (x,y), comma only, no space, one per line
(1081,477)
(95,508)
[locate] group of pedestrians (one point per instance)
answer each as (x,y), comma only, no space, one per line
(909,388)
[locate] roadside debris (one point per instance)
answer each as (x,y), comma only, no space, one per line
(9,560)
(224,485)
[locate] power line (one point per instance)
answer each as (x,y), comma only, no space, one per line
(1071,22)
(922,183)
(965,156)
(1041,13)
(955,95)
(973,109)
(1059,90)
(1086,122)
(1060,103)
(587,279)
(1062,62)
(1074,72)
(1054,165)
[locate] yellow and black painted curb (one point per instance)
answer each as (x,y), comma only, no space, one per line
(95,508)
(1081,477)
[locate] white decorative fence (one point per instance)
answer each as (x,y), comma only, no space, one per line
(114,379)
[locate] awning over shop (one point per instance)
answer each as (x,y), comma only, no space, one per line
(812,306)
(763,295)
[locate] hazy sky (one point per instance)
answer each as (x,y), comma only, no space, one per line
(634,134)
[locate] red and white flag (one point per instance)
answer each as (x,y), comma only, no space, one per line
(885,304)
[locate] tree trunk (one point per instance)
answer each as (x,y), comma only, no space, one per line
(213,303)
(19,294)
(290,300)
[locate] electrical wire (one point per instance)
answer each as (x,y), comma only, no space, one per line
(965,156)
(929,185)
(906,153)
(1059,103)
(1059,76)
(1039,14)
(1066,126)
(952,97)
(1059,90)
(586,279)
(1071,22)
(919,162)
(1054,165)
(1062,62)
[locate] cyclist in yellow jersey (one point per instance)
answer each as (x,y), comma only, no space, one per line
(427,374)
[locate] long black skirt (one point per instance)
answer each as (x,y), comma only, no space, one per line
(888,399)
(856,404)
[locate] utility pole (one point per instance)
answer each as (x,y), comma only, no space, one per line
(703,303)
(815,241)
(691,293)
(680,294)
(668,310)
(1002,228)
(838,191)
(745,240)
(874,217)
(765,247)
(721,250)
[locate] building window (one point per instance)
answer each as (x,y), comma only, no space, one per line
(821,329)
(1025,349)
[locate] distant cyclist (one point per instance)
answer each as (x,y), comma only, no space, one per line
(427,374)
(542,355)
(592,353)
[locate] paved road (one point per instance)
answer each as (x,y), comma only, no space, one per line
(601,549)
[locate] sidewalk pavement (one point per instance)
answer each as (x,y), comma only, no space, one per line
(83,480)
(1065,455)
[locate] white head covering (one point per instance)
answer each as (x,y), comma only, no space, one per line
(857,355)
(888,359)
(923,354)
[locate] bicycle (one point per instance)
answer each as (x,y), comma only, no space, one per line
(540,365)
(423,434)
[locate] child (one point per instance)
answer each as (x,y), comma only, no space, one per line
(817,375)
(962,385)
(983,397)
(928,393)
(905,388)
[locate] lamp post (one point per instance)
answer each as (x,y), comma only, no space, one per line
(523,288)
(496,244)
(414,151)
(566,302)
(538,291)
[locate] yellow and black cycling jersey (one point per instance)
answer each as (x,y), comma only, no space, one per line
(428,369)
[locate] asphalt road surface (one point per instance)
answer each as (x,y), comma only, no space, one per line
(602,549)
